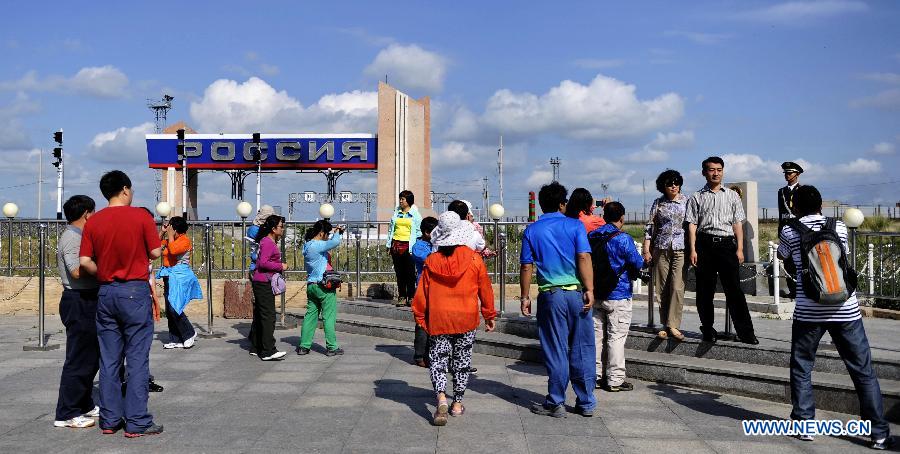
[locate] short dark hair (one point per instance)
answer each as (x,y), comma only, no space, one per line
(613,212)
(76,206)
(668,176)
(113,182)
(459,207)
(712,160)
(807,200)
(179,224)
(580,201)
(409,196)
(428,224)
(551,196)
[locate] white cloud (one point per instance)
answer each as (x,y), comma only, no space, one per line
(229,106)
(657,150)
(883,148)
(888,100)
(606,108)
(454,154)
(98,81)
(800,12)
(888,78)
(598,63)
(409,67)
(698,37)
(122,146)
(859,166)
(13,136)
(366,37)
(464,125)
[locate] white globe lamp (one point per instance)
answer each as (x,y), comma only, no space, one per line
(326,210)
(10,210)
(496,210)
(163,209)
(853,217)
(244,209)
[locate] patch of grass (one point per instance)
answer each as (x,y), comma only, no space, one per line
(876,224)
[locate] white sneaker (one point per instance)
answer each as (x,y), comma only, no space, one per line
(188,343)
(274,356)
(172,345)
(79,422)
(94,413)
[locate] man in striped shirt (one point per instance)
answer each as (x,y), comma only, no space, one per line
(842,321)
(715,220)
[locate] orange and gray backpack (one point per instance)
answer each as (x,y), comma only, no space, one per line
(826,274)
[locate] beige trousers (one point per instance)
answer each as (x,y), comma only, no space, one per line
(612,319)
(669,267)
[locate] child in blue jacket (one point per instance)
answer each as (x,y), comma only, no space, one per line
(420,252)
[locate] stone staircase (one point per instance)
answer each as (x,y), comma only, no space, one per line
(759,371)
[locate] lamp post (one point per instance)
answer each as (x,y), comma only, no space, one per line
(326,211)
(243,210)
(10,210)
(496,211)
(853,218)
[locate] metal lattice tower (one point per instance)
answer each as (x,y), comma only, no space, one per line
(555,163)
(160,108)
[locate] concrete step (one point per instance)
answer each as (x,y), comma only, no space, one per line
(769,352)
(834,391)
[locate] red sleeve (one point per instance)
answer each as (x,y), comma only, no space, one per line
(87,246)
(181,245)
(151,238)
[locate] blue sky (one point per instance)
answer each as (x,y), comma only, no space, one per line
(618,91)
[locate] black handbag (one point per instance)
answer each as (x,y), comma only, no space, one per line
(331,280)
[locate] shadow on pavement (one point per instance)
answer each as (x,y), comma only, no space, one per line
(706,402)
(401,392)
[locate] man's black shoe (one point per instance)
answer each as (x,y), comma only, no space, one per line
(335,352)
(154,388)
(881,445)
(154,429)
(625,386)
(584,412)
(558,411)
(302,351)
(752,340)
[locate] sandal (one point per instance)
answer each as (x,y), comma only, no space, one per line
(662,334)
(440,415)
(676,334)
(460,412)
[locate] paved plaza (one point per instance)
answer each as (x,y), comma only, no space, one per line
(218,399)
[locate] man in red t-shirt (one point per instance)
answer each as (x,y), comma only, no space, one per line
(117,245)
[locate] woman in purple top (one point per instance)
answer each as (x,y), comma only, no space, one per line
(262,331)
(664,250)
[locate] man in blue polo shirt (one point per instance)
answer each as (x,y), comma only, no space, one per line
(558,246)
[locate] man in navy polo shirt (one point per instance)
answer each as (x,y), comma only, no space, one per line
(558,246)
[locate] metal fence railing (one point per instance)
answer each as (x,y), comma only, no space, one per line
(363,253)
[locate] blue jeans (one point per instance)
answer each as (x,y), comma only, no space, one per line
(125,330)
(566,333)
(852,344)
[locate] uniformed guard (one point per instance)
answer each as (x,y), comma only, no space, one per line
(792,172)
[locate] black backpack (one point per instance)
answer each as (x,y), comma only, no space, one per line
(826,274)
(605,277)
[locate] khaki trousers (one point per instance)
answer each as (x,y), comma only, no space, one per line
(668,285)
(612,321)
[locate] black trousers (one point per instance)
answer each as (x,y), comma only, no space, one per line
(716,258)
(180,328)
(78,311)
(405,270)
(262,331)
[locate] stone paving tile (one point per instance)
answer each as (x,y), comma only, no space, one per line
(219,399)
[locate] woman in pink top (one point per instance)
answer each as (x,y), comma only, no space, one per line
(262,331)
(581,206)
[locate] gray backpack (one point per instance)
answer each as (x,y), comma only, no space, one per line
(827,277)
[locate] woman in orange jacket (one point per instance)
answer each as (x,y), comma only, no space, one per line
(446,305)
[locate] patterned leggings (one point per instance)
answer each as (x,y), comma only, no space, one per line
(445,348)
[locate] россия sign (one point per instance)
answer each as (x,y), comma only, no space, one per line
(278,151)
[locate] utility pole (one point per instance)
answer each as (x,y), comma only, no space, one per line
(500,167)
(57,153)
(555,163)
(442,197)
(484,197)
(257,156)
(184,174)
(40,180)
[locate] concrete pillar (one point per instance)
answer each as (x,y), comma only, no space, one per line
(750,201)
(404,149)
